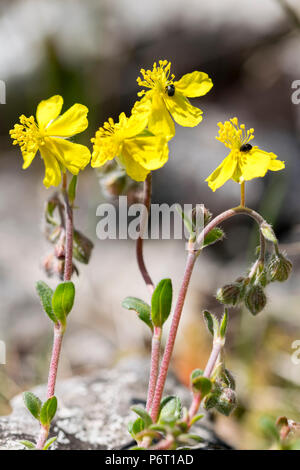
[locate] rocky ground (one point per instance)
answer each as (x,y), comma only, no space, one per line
(94,411)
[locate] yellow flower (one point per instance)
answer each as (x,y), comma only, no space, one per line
(48,135)
(169,97)
(244,162)
(135,147)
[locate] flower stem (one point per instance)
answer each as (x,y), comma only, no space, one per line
(182,294)
(243,194)
(59,329)
(172,336)
(197,398)
(155,354)
(143,226)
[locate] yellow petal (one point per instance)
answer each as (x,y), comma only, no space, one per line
(28,157)
(72,156)
(223,173)
(182,111)
(48,110)
(139,117)
(52,168)
(136,124)
(133,169)
(104,150)
(70,123)
(194,84)
(160,121)
(254,164)
(276,165)
(151,152)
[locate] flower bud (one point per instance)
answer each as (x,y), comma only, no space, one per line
(59,250)
(113,184)
(211,400)
(262,278)
(230,294)
(255,299)
(82,247)
(228,379)
(226,402)
(279,268)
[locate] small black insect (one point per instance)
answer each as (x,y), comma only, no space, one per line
(170,89)
(245,147)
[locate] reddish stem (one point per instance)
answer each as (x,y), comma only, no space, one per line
(182,294)
(155,354)
(57,342)
(172,336)
(207,373)
(59,329)
(140,240)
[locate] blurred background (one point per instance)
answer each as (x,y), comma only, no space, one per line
(91,52)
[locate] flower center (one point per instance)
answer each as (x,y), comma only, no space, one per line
(27,135)
(234,136)
(158,78)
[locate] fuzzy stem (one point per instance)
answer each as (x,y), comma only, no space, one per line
(182,294)
(155,354)
(57,342)
(172,336)
(140,240)
(58,327)
(217,347)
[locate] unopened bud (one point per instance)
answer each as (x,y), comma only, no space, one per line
(262,278)
(226,402)
(113,184)
(211,400)
(230,294)
(59,250)
(56,267)
(279,268)
(82,247)
(255,299)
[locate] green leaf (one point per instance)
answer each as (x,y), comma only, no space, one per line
(82,247)
(33,404)
(140,307)
(170,410)
(45,293)
(28,444)
(161,302)
(49,443)
(211,323)
(186,438)
(268,426)
(223,324)
(215,235)
(195,419)
(72,189)
(143,414)
(135,427)
(201,384)
(48,411)
(62,300)
(137,448)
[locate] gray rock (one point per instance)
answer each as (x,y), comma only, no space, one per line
(94,411)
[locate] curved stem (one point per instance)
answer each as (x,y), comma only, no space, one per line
(143,225)
(182,294)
